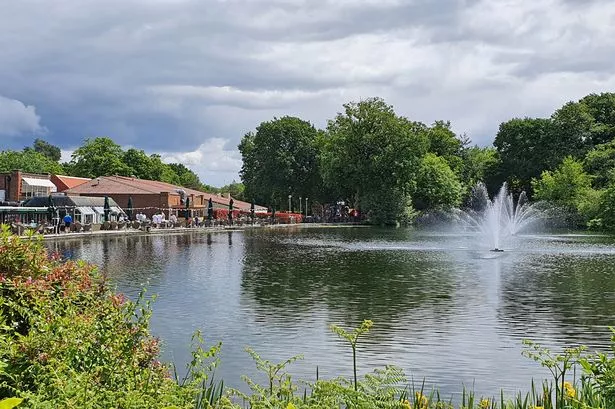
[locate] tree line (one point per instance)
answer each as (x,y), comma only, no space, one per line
(101,156)
(390,167)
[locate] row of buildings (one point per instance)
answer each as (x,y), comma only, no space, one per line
(83,198)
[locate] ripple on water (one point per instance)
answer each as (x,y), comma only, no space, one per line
(445,308)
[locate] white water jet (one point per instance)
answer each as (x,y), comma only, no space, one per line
(498,219)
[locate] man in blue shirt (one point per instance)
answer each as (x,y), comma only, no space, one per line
(67,221)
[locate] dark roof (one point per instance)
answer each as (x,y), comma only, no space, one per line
(70,201)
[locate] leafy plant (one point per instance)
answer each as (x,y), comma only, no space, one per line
(353,337)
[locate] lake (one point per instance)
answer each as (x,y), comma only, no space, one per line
(444,309)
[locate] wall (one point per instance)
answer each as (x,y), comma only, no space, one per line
(10,182)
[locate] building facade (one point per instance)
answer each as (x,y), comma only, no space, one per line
(18,186)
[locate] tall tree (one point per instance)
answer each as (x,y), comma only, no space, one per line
(99,157)
(601,107)
(372,155)
(525,148)
(51,151)
(280,159)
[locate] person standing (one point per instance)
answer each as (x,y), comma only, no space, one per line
(68,220)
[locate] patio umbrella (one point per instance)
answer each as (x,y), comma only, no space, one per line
(129,208)
(51,208)
(187,207)
(273,214)
(230,211)
(106,208)
(210,210)
(252,210)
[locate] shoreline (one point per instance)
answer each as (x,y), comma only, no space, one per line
(184,230)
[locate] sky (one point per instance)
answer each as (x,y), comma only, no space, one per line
(188,78)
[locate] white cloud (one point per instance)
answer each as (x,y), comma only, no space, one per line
(213,161)
(16,119)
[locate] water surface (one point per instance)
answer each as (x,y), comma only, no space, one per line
(444,308)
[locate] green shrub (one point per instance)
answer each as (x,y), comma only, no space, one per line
(67,341)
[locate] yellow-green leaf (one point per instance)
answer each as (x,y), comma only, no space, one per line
(10,403)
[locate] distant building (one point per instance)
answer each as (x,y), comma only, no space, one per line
(150,196)
(67,182)
(17,186)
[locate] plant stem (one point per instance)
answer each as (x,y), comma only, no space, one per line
(354,364)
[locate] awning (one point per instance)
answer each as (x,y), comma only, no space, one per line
(116,210)
(39,183)
(86,210)
(99,209)
(22,209)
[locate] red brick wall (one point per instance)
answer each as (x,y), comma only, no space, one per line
(11,183)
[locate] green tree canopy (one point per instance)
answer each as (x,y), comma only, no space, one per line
(236,190)
(601,107)
(600,162)
(437,186)
(526,148)
(444,143)
(569,187)
(52,152)
(279,159)
(185,177)
(99,157)
(372,156)
(478,165)
(28,161)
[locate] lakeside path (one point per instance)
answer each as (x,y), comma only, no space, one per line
(184,230)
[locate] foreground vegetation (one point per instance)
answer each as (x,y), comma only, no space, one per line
(67,341)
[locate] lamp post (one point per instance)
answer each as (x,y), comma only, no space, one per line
(289,202)
(306,206)
(300,201)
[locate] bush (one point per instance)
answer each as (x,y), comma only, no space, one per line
(67,341)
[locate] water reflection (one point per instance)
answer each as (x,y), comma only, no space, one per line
(443,309)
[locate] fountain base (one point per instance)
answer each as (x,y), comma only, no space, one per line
(497,250)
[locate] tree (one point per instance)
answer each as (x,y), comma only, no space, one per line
(478,165)
(280,159)
(601,107)
(437,186)
(236,190)
(99,157)
(600,162)
(372,156)
(28,161)
(444,143)
(569,187)
(186,177)
(52,152)
(526,148)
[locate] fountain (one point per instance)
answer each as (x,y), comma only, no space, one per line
(499,218)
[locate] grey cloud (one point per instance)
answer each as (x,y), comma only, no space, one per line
(170,75)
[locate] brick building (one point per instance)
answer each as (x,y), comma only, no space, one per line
(17,186)
(150,196)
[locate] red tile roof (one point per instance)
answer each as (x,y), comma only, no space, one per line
(126,185)
(67,182)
